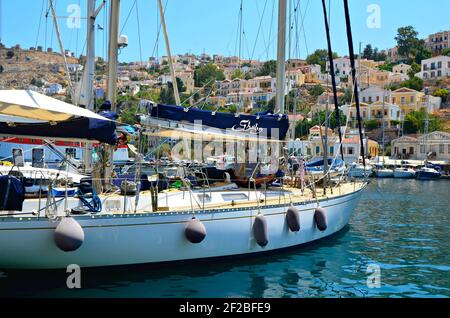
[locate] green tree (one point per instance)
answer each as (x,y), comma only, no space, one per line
(386,67)
(421,52)
(237,74)
(368,52)
(180,85)
(446,51)
(316,90)
(269,68)
(152,95)
(415,68)
(302,127)
(371,124)
(413,83)
(406,40)
(166,95)
(346,98)
(443,93)
(207,74)
(415,122)
(320,57)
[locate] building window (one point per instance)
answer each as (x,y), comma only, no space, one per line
(71,152)
(422,148)
(317,150)
(393,100)
(378,98)
(439,65)
(402,100)
(350,150)
(411,150)
(411,99)
(331,150)
(448,150)
(441,149)
(433,74)
(439,73)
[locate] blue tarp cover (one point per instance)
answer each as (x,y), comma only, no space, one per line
(78,128)
(263,124)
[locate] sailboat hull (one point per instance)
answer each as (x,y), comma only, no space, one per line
(160,237)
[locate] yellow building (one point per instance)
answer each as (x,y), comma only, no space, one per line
(375,111)
(372,148)
(408,100)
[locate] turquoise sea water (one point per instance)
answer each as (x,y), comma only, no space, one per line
(401,226)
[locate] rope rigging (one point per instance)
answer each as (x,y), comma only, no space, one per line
(355,80)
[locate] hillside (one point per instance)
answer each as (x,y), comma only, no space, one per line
(25,65)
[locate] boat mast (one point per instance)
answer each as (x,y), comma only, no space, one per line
(113,52)
(169,56)
(281,56)
(88,85)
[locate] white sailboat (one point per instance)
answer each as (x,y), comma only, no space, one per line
(173,225)
(404,173)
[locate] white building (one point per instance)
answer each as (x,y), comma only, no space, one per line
(375,94)
(436,67)
(299,147)
(53,89)
(342,67)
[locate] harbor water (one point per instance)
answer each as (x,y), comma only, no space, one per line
(396,245)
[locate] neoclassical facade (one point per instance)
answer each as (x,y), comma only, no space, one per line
(434,146)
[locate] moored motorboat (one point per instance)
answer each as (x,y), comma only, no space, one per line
(428,173)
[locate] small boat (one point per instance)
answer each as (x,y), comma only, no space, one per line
(316,167)
(384,173)
(404,173)
(427,173)
(360,171)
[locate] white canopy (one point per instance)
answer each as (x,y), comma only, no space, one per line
(32,105)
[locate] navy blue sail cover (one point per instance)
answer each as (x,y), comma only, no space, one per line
(263,124)
(77,128)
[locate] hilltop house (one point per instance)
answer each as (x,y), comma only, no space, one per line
(435,67)
(411,100)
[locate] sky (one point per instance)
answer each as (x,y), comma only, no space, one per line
(212,26)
